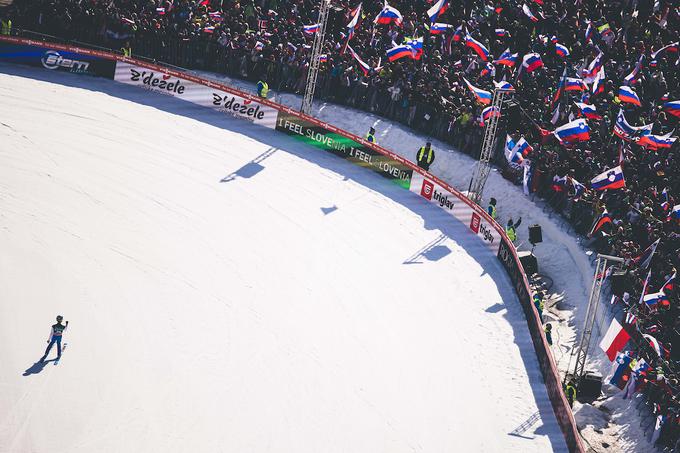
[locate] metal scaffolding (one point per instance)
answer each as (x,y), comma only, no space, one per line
(317,47)
(481,173)
(593,303)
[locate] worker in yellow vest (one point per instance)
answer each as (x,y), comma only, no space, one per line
(491,210)
(511,229)
(370,136)
(126,49)
(262,89)
(6,26)
(570,390)
(425,156)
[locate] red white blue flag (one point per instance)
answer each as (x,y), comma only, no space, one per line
(574,131)
(609,179)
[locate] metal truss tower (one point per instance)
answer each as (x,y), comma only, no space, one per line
(317,48)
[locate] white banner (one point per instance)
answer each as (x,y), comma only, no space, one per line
(457,208)
(196,93)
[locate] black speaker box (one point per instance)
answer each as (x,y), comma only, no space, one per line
(619,282)
(535,234)
(590,387)
(529,262)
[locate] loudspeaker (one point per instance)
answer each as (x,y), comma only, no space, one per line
(529,262)
(535,234)
(619,282)
(590,387)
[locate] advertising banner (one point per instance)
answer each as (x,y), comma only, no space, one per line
(317,135)
(458,208)
(196,93)
(56,60)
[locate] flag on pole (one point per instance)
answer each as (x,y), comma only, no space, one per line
(437,10)
(627,94)
(388,15)
(478,47)
(365,68)
(482,96)
(574,131)
(528,13)
(507,58)
(644,260)
(614,340)
(609,179)
(311,29)
(603,220)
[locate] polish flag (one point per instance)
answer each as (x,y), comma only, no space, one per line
(614,340)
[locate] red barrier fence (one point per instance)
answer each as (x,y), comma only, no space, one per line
(410,174)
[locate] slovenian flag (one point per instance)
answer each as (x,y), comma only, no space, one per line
(323,58)
(489,112)
(672,107)
(402,51)
(632,78)
(593,68)
(598,83)
(609,179)
(503,85)
(160,11)
(561,50)
(531,62)
(478,47)
(654,298)
(574,131)
(626,94)
(488,70)
(626,131)
(417,46)
(365,68)
(510,154)
(482,96)
(655,142)
(502,33)
(388,15)
(528,13)
(588,110)
(438,28)
(603,220)
(507,58)
(437,10)
(614,340)
(673,47)
(356,14)
(208,29)
(574,84)
(311,29)
(523,147)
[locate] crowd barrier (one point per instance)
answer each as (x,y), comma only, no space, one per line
(207,93)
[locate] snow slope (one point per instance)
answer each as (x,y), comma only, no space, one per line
(299,303)
(561,256)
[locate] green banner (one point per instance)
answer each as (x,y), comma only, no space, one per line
(316,135)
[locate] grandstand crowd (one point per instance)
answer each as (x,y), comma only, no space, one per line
(609,44)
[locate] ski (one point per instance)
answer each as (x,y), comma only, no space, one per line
(63,349)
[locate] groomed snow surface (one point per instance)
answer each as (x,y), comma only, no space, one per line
(232,290)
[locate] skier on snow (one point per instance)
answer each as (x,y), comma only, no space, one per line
(56,333)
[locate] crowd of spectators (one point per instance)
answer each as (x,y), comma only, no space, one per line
(264,39)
